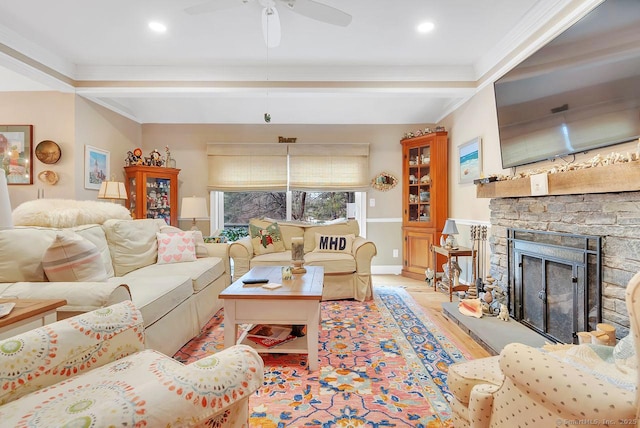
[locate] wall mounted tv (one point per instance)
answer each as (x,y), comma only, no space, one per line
(579,92)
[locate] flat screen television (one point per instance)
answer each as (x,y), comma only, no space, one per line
(579,92)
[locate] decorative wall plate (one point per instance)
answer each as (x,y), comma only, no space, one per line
(48,152)
(384,181)
(48,177)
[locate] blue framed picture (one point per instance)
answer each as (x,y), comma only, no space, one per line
(470,160)
(96,167)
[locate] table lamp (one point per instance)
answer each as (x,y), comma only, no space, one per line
(194,208)
(113,190)
(450,229)
(5,204)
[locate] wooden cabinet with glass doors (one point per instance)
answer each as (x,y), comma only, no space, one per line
(424,200)
(153,192)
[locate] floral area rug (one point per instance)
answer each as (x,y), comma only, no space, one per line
(383,363)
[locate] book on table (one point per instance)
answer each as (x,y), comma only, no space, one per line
(270,335)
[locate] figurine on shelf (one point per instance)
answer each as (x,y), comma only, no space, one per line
(168,161)
(156,158)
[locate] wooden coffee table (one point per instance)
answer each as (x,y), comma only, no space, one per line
(297,302)
(27,315)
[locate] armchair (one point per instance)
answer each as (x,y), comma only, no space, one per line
(577,385)
(92,369)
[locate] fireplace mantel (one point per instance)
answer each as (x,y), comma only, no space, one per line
(622,177)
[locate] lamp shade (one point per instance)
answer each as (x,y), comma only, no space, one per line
(450,227)
(112,190)
(5,204)
(194,208)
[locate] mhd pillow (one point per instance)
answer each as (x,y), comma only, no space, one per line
(266,240)
(334,243)
(176,247)
(72,258)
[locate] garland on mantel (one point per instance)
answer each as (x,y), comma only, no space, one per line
(594,162)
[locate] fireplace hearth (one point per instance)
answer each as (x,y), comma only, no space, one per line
(554,282)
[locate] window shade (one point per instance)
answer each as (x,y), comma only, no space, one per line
(247,167)
(329,167)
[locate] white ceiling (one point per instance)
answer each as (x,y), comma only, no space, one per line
(215,67)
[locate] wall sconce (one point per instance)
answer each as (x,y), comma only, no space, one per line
(194,208)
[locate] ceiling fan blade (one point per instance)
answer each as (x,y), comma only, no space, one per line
(212,6)
(271,27)
(320,12)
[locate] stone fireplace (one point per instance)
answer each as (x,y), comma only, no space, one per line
(554,282)
(612,218)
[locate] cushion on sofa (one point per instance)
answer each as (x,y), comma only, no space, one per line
(201,271)
(132,243)
(73,258)
(343,228)
(333,262)
(26,244)
(334,243)
(266,239)
(176,247)
(201,249)
(95,234)
(155,296)
(289,229)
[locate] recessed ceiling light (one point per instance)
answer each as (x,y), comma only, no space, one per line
(158,27)
(426,27)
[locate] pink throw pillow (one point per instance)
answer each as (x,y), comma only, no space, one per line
(176,247)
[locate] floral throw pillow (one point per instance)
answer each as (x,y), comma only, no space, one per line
(266,240)
(176,247)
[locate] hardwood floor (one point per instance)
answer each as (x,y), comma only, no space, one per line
(431,301)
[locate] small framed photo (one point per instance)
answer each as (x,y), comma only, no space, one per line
(96,167)
(470,160)
(16,153)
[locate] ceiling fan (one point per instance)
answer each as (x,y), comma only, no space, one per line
(270,18)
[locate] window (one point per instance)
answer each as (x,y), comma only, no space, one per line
(313,207)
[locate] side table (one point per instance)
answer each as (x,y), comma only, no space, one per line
(27,315)
(449,253)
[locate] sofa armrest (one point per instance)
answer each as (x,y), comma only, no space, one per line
(363,251)
(47,355)
(562,387)
(220,250)
(241,251)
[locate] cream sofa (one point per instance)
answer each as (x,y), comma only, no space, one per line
(176,299)
(567,385)
(92,370)
(346,274)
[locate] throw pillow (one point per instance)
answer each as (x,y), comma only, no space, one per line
(267,239)
(176,247)
(334,243)
(71,258)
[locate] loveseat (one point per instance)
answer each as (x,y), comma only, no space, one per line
(93,370)
(346,257)
(565,385)
(96,265)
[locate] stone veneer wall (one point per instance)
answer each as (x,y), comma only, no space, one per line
(614,216)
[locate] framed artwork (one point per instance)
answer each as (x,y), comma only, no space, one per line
(470,160)
(96,167)
(16,152)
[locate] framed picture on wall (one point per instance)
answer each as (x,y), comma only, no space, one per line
(96,167)
(16,152)
(470,160)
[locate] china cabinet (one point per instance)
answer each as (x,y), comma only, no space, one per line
(153,192)
(424,200)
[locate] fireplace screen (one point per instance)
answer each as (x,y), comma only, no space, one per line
(554,282)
